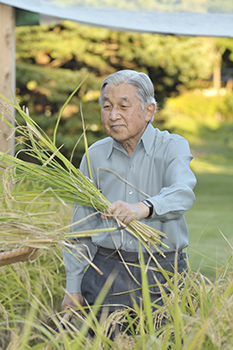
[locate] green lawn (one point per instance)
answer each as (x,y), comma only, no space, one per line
(212,147)
(212,213)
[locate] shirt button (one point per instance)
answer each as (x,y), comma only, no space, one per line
(131,241)
(130,192)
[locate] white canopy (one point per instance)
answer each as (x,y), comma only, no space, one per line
(184,17)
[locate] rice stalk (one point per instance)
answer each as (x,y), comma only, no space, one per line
(59,178)
(19,230)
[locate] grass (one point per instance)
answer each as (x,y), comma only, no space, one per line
(211,215)
(212,147)
(32,294)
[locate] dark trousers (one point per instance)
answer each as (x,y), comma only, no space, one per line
(126,285)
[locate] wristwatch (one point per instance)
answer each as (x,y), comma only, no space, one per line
(150,206)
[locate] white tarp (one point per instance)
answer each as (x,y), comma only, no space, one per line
(186,17)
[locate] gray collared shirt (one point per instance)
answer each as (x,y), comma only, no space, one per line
(158,170)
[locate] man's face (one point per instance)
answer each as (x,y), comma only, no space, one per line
(122,115)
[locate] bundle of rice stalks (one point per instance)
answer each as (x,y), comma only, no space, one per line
(58,177)
(18,238)
(22,234)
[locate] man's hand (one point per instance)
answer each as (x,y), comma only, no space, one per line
(71,301)
(126,212)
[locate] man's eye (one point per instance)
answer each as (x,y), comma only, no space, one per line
(106,106)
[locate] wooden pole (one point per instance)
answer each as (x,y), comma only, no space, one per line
(217,78)
(7,72)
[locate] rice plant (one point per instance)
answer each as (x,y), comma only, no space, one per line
(197,317)
(55,176)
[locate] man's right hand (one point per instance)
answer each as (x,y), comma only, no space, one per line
(71,301)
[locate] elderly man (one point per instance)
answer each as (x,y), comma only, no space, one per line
(145,174)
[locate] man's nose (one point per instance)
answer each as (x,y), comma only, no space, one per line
(114,113)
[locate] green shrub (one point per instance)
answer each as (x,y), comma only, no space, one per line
(199,106)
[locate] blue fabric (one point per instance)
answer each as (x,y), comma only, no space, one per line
(127,286)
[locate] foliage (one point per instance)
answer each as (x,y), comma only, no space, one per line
(52,59)
(225,45)
(206,121)
(196,105)
(48,90)
(102,52)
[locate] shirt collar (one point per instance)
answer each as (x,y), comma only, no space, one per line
(146,139)
(114,144)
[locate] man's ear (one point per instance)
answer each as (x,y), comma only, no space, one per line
(150,110)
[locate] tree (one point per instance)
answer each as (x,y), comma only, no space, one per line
(53,60)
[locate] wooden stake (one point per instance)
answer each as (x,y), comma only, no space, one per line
(217,78)
(7,71)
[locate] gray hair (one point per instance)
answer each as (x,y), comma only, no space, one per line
(143,84)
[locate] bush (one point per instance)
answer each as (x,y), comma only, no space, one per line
(199,106)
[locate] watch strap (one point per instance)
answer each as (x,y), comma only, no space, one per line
(150,206)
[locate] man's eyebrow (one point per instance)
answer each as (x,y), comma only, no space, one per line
(124,98)
(105,99)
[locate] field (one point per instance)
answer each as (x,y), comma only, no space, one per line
(211,216)
(31,293)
